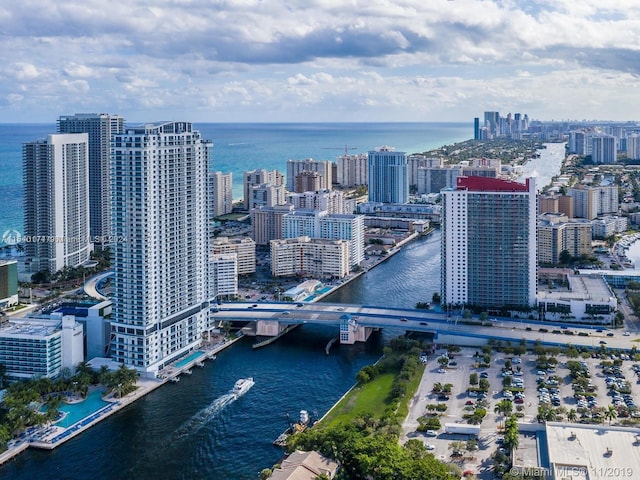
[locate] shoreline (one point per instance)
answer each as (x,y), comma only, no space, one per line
(383,258)
(52,436)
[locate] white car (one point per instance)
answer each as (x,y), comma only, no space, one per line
(429,446)
(626,334)
(431,433)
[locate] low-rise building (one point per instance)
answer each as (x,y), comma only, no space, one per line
(95,318)
(306,256)
(40,347)
(223,274)
(588,300)
(575,451)
(606,226)
(305,466)
(244,248)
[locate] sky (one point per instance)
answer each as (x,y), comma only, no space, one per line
(319,60)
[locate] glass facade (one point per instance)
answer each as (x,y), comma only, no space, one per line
(498,249)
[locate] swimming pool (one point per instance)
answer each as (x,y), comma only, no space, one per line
(77,411)
(189,358)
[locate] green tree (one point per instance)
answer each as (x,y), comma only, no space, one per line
(504,407)
(265,473)
(611,413)
(473,378)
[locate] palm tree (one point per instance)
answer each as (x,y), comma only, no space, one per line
(503,407)
(611,413)
(457,446)
(572,415)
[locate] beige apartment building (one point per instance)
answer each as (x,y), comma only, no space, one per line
(306,256)
(556,233)
(244,248)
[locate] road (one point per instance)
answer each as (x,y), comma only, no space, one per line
(426,321)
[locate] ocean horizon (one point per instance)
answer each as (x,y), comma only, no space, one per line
(238,147)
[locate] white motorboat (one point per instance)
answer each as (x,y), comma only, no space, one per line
(242,386)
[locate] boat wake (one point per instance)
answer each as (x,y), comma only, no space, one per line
(204,416)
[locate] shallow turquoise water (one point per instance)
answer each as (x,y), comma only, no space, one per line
(188,359)
(77,411)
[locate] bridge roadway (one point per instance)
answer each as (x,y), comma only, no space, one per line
(446,329)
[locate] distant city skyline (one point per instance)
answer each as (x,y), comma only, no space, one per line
(441,61)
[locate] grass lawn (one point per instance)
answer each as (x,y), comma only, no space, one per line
(372,397)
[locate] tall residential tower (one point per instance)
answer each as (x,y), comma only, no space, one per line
(56,202)
(160,259)
(489,243)
(388,177)
(100,127)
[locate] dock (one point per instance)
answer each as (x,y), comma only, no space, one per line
(50,437)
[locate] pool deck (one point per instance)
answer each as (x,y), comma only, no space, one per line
(51,436)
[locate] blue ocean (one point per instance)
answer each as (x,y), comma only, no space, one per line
(245,146)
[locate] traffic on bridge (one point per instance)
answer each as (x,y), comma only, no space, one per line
(446,328)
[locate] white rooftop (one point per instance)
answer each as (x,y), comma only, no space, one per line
(596,450)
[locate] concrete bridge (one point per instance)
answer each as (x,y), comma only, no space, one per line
(356,322)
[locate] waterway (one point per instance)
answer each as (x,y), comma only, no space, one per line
(546,166)
(193,430)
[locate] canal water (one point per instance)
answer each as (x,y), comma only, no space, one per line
(194,430)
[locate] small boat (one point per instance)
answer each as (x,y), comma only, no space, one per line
(242,386)
(199,364)
(175,379)
(188,372)
(300,426)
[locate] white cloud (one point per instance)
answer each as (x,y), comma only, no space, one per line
(450,59)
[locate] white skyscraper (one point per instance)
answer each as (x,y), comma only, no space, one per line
(100,127)
(56,202)
(220,194)
(388,179)
(160,258)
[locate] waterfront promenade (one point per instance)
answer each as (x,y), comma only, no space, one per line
(51,436)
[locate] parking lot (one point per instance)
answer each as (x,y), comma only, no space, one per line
(558,397)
